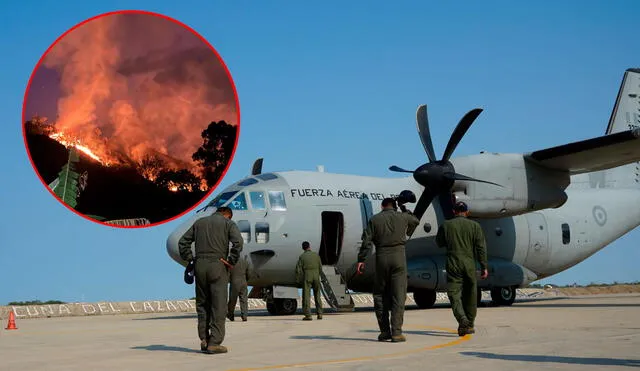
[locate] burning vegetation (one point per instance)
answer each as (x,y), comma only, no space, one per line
(157,170)
(162,170)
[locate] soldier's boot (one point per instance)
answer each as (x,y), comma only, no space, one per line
(384,336)
(307,317)
(320,316)
(471,328)
(216,349)
(244,318)
(465,328)
(203,345)
(230,317)
(398,338)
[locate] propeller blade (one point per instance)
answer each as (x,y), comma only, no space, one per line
(423,130)
(457,176)
(423,203)
(400,170)
(459,132)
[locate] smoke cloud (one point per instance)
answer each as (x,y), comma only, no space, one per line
(136,84)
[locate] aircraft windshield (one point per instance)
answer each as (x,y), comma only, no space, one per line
(221,199)
(238,203)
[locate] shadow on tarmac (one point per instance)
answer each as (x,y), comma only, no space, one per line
(556,359)
(422,332)
(166,348)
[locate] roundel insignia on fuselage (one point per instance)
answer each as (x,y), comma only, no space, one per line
(599,215)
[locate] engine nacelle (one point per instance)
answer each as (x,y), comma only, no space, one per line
(430,273)
(526,187)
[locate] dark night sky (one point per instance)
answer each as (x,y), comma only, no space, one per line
(43,94)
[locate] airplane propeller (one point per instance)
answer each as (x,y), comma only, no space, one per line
(438,176)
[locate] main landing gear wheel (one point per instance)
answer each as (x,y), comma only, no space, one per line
(424,298)
(282,307)
(503,295)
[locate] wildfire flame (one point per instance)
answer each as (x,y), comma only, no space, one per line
(68,141)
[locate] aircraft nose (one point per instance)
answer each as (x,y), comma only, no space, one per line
(174,237)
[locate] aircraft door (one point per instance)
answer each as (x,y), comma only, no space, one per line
(539,251)
(332,237)
(367,212)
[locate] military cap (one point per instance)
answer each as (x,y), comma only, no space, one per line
(189,273)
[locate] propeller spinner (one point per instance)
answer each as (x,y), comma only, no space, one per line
(438,176)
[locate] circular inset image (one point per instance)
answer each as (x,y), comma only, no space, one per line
(131,119)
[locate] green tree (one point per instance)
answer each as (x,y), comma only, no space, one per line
(215,152)
(35,302)
(66,185)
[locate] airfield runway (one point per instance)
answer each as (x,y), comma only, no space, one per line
(585,333)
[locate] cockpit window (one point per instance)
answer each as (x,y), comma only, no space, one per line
(238,203)
(247,182)
(267,176)
(257,200)
(276,199)
(221,199)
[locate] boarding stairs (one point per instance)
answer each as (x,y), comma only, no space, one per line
(334,289)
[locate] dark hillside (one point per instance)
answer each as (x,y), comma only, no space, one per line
(112,192)
(48,156)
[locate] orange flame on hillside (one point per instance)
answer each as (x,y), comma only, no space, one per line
(68,142)
(102,156)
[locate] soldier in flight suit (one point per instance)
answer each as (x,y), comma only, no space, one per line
(308,275)
(239,276)
(388,231)
(465,243)
(212,235)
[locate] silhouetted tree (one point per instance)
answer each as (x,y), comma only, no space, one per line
(182,179)
(215,152)
(38,125)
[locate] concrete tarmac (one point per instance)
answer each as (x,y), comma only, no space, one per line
(586,333)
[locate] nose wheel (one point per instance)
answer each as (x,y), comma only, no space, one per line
(282,307)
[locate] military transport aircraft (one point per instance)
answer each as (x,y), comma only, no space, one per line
(542,212)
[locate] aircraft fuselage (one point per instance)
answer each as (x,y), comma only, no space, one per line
(278,214)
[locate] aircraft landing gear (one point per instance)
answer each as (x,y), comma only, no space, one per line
(503,295)
(282,307)
(424,298)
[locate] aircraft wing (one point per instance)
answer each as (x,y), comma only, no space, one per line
(594,154)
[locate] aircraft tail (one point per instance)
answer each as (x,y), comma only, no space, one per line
(624,116)
(626,110)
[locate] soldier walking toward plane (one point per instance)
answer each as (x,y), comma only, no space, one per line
(212,235)
(308,275)
(239,276)
(388,231)
(465,243)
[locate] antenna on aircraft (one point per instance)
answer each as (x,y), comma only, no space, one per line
(438,176)
(256,169)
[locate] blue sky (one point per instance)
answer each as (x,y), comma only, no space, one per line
(333,84)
